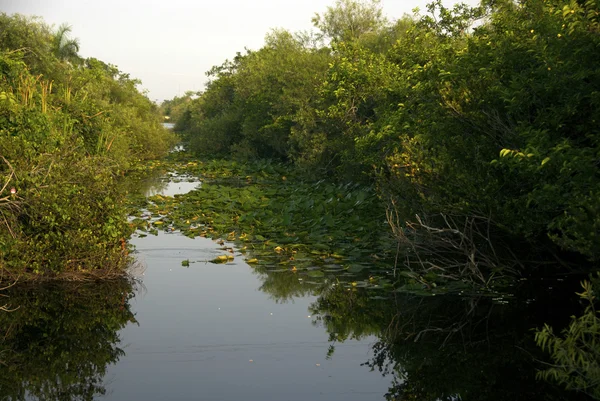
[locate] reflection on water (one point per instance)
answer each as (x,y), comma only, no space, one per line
(227,332)
(160,182)
(231,331)
(59,342)
(447,347)
(207,332)
(175,185)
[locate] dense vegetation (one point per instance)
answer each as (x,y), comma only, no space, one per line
(69,128)
(477,126)
(488,115)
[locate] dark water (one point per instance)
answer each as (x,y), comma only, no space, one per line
(232,332)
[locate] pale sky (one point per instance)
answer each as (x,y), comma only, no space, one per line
(169,45)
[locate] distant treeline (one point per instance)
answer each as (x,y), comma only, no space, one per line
(479,125)
(69,128)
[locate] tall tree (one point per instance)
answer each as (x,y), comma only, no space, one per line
(349,19)
(63,46)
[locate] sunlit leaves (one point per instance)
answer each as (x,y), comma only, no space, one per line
(67,132)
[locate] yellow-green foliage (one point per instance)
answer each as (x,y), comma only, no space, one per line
(68,131)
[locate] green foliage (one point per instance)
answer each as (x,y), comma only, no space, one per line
(279,221)
(348,20)
(487,113)
(575,355)
(253,103)
(31,37)
(68,129)
(174,108)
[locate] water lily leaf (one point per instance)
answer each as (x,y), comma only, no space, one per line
(355,268)
(316,273)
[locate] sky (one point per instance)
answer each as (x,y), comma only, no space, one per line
(169,45)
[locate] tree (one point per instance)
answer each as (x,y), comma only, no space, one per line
(63,47)
(350,19)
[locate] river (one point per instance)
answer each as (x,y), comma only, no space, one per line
(209,332)
(232,331)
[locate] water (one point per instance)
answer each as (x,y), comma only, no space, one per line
(208,332)
(173,185)
(233,331)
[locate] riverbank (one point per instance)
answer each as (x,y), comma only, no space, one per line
(70,128)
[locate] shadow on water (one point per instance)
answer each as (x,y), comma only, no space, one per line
(58,342)
(449,347)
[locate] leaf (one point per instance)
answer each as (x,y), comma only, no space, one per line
(546,160)
(220,259)
(355,268)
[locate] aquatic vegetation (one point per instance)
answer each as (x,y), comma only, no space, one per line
(278,221)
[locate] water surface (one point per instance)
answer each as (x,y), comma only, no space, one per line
(208,332)
(233,331)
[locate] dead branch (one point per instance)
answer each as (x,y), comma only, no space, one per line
(452,247)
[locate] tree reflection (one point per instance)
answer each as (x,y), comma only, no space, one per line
(283,287)
(59,342)
(447,347)
(443,347)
